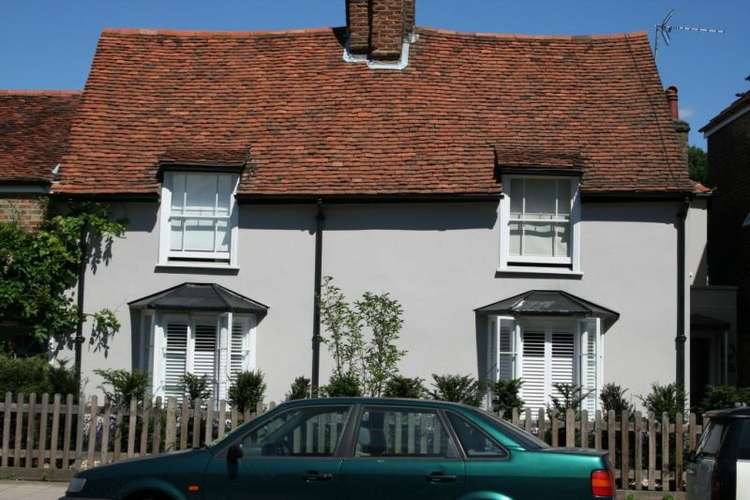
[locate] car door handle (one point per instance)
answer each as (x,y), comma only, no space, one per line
(313,475)
(440,477)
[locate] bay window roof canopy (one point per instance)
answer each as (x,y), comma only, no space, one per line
(550,303)
(200,297)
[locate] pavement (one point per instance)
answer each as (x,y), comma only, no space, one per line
(31,490)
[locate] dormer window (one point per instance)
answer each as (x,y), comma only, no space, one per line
(539,217)
(199,219)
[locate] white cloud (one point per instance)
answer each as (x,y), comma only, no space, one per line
(686,113)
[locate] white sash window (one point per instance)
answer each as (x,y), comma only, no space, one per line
(199,218)
(203,345)
(544,353)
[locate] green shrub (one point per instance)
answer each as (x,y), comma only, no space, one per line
(612,397)
(668,399)
(344,385)
(404,387)
(505,395)
(196,387)
(247,390)
(724,396)
(571,397)
(300,389)
(35,374)
(457,388)
(120,387)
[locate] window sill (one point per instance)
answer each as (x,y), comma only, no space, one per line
(519,270)
(196,265)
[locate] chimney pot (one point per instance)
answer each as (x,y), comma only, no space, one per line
(673,101)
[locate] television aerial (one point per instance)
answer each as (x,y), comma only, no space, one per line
(664,30)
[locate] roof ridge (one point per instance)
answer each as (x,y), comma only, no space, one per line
(228,33)
(523,36)
(40,92)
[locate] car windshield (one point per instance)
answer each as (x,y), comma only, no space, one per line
(525,439)
(711,440)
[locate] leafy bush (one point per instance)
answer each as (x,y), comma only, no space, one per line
(612,397)
(344,385)
(124,386)
(724,396)
(300,389)
(505,395)
(35,374)
(668,399)
(404,387)
(457,388)
(571,397)
(196,387)
(247,390)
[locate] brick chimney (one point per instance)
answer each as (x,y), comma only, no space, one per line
(681,127)
(378,28)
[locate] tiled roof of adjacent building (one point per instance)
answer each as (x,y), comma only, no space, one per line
(311,124)
(742,103)
(34,128)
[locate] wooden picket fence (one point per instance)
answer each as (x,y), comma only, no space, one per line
(52,437)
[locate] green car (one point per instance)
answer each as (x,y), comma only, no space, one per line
(358,448)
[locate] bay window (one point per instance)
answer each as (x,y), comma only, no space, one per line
(199,219)
(539,220)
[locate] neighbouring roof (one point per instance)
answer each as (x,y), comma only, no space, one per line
(700,188)
(34,128)
(315,125)
(707,322)
(550,303)
(741,104)
(200,297)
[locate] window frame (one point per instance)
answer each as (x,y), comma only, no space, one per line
(506,452)
(351,449)
(531,264)
(224,321)
(181,258)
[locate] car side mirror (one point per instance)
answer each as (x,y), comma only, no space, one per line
(234,453)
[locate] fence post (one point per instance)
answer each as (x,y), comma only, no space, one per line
(651,451)
(30,430)
(43,431)
(598,430)
(105,432)
(570,428)
(92,432)
(117,447)
(637,426)
(170,435)
(514,416)
(664,452)
(145,421)
(527,422)
(541,424)
(19,430)
(209,421)
(79,431)
(625,449)
(184,423)
(6,429)
(132,418)
(156,438)
(55,432)
(197,422)
(678,451)
(68,433)
(612,438)
(222,418)
(691,432)
(555,429)
(585,429)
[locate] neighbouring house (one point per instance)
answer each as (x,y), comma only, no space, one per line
(34,127)
(525,198)
(728,138)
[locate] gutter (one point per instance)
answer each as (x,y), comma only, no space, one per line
(316,338)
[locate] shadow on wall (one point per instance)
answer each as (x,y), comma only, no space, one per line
(656,212)
(411,216)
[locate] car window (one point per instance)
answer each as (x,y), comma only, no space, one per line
(710,442)
(311,432)
(525,439)
(402,432)
(476,444)
(743,443)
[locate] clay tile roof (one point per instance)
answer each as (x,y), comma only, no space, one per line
(315,125)
(34,128)
(700,188)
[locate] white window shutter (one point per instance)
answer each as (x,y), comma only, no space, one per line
(175,357)
(562,360)
(205,352)
(534,369)
(589,362)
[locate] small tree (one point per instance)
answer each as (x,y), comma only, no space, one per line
(613,398)
(571,396)
(346,385)
(248,389)
(719,397)
(404,387)
(196,387)
(344,327)
(120,387)
(382,315)
(457,388)
(505,395)
(300,389)
(669,398)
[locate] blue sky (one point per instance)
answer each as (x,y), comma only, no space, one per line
(49,43)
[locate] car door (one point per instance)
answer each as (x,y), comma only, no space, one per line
(402,452)
(700,469)
(290,455)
